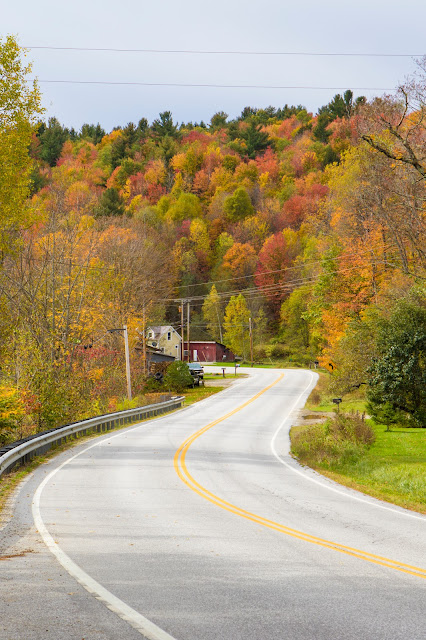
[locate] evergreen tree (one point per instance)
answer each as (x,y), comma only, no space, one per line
(92,132)
(218,120)
(111,203)
(256,140)
(52,140)
(398,374)
(164,126)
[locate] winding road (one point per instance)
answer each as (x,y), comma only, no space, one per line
(200,526)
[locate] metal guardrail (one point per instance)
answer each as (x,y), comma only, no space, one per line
(23,451)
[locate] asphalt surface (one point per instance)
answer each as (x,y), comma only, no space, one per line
(149,532)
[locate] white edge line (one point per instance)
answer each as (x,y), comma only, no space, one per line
(373,502)
(144,626)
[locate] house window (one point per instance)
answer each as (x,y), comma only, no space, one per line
(169,335)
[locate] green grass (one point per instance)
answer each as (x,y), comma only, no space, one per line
(199,393)
(320,398)
(228,374)
(274,364)
(393,468)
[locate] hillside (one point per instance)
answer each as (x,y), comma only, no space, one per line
(310,225)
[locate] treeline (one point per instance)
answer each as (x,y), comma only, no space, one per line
(309,228)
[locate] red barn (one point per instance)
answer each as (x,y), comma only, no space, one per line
(209,351)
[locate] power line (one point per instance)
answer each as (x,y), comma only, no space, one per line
(68,262)
(212,86)
(298,266)
(273,289)
(234,53)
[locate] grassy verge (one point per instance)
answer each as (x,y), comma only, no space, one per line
(392,468)
(228,374)
(321,398)
(199,393)
(272,364)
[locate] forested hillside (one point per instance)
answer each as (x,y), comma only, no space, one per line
(312,225)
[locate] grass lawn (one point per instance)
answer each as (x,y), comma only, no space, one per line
(392,469)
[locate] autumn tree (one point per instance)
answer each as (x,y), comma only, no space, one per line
(395,126)
(238,206)
(236,326)
(239,264)
(339,107)
(19,111)
(295,329)
(186,207)
(271,276)
(213,314)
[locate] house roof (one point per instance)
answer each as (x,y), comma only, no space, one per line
(160,330)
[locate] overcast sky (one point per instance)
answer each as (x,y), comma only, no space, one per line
(312,26)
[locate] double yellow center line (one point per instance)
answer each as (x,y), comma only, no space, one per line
(186,477)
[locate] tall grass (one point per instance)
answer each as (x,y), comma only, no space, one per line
(342,438)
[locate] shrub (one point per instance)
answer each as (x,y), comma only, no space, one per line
(152,385)
(276,351)
(341,439)
(259,352)
(177,377)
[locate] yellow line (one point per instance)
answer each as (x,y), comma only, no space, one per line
(183,473)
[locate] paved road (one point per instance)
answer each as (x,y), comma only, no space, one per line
(199,526)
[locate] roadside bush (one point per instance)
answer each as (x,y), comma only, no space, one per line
(342,438)
(259,352)
(276,351)
(152,385)
(177,377)
(137,401)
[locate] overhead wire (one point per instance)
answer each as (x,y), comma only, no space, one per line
(234,52)
(220,53)
(293,267)
(268,289)
(211,85)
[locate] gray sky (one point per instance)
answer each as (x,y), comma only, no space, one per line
(331,26)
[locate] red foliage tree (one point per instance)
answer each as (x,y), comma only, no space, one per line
(271,274)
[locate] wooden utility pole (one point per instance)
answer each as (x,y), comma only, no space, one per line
(126,350)
(127,356)
(145,368)
(251,341)
(187,328)
(182,326)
